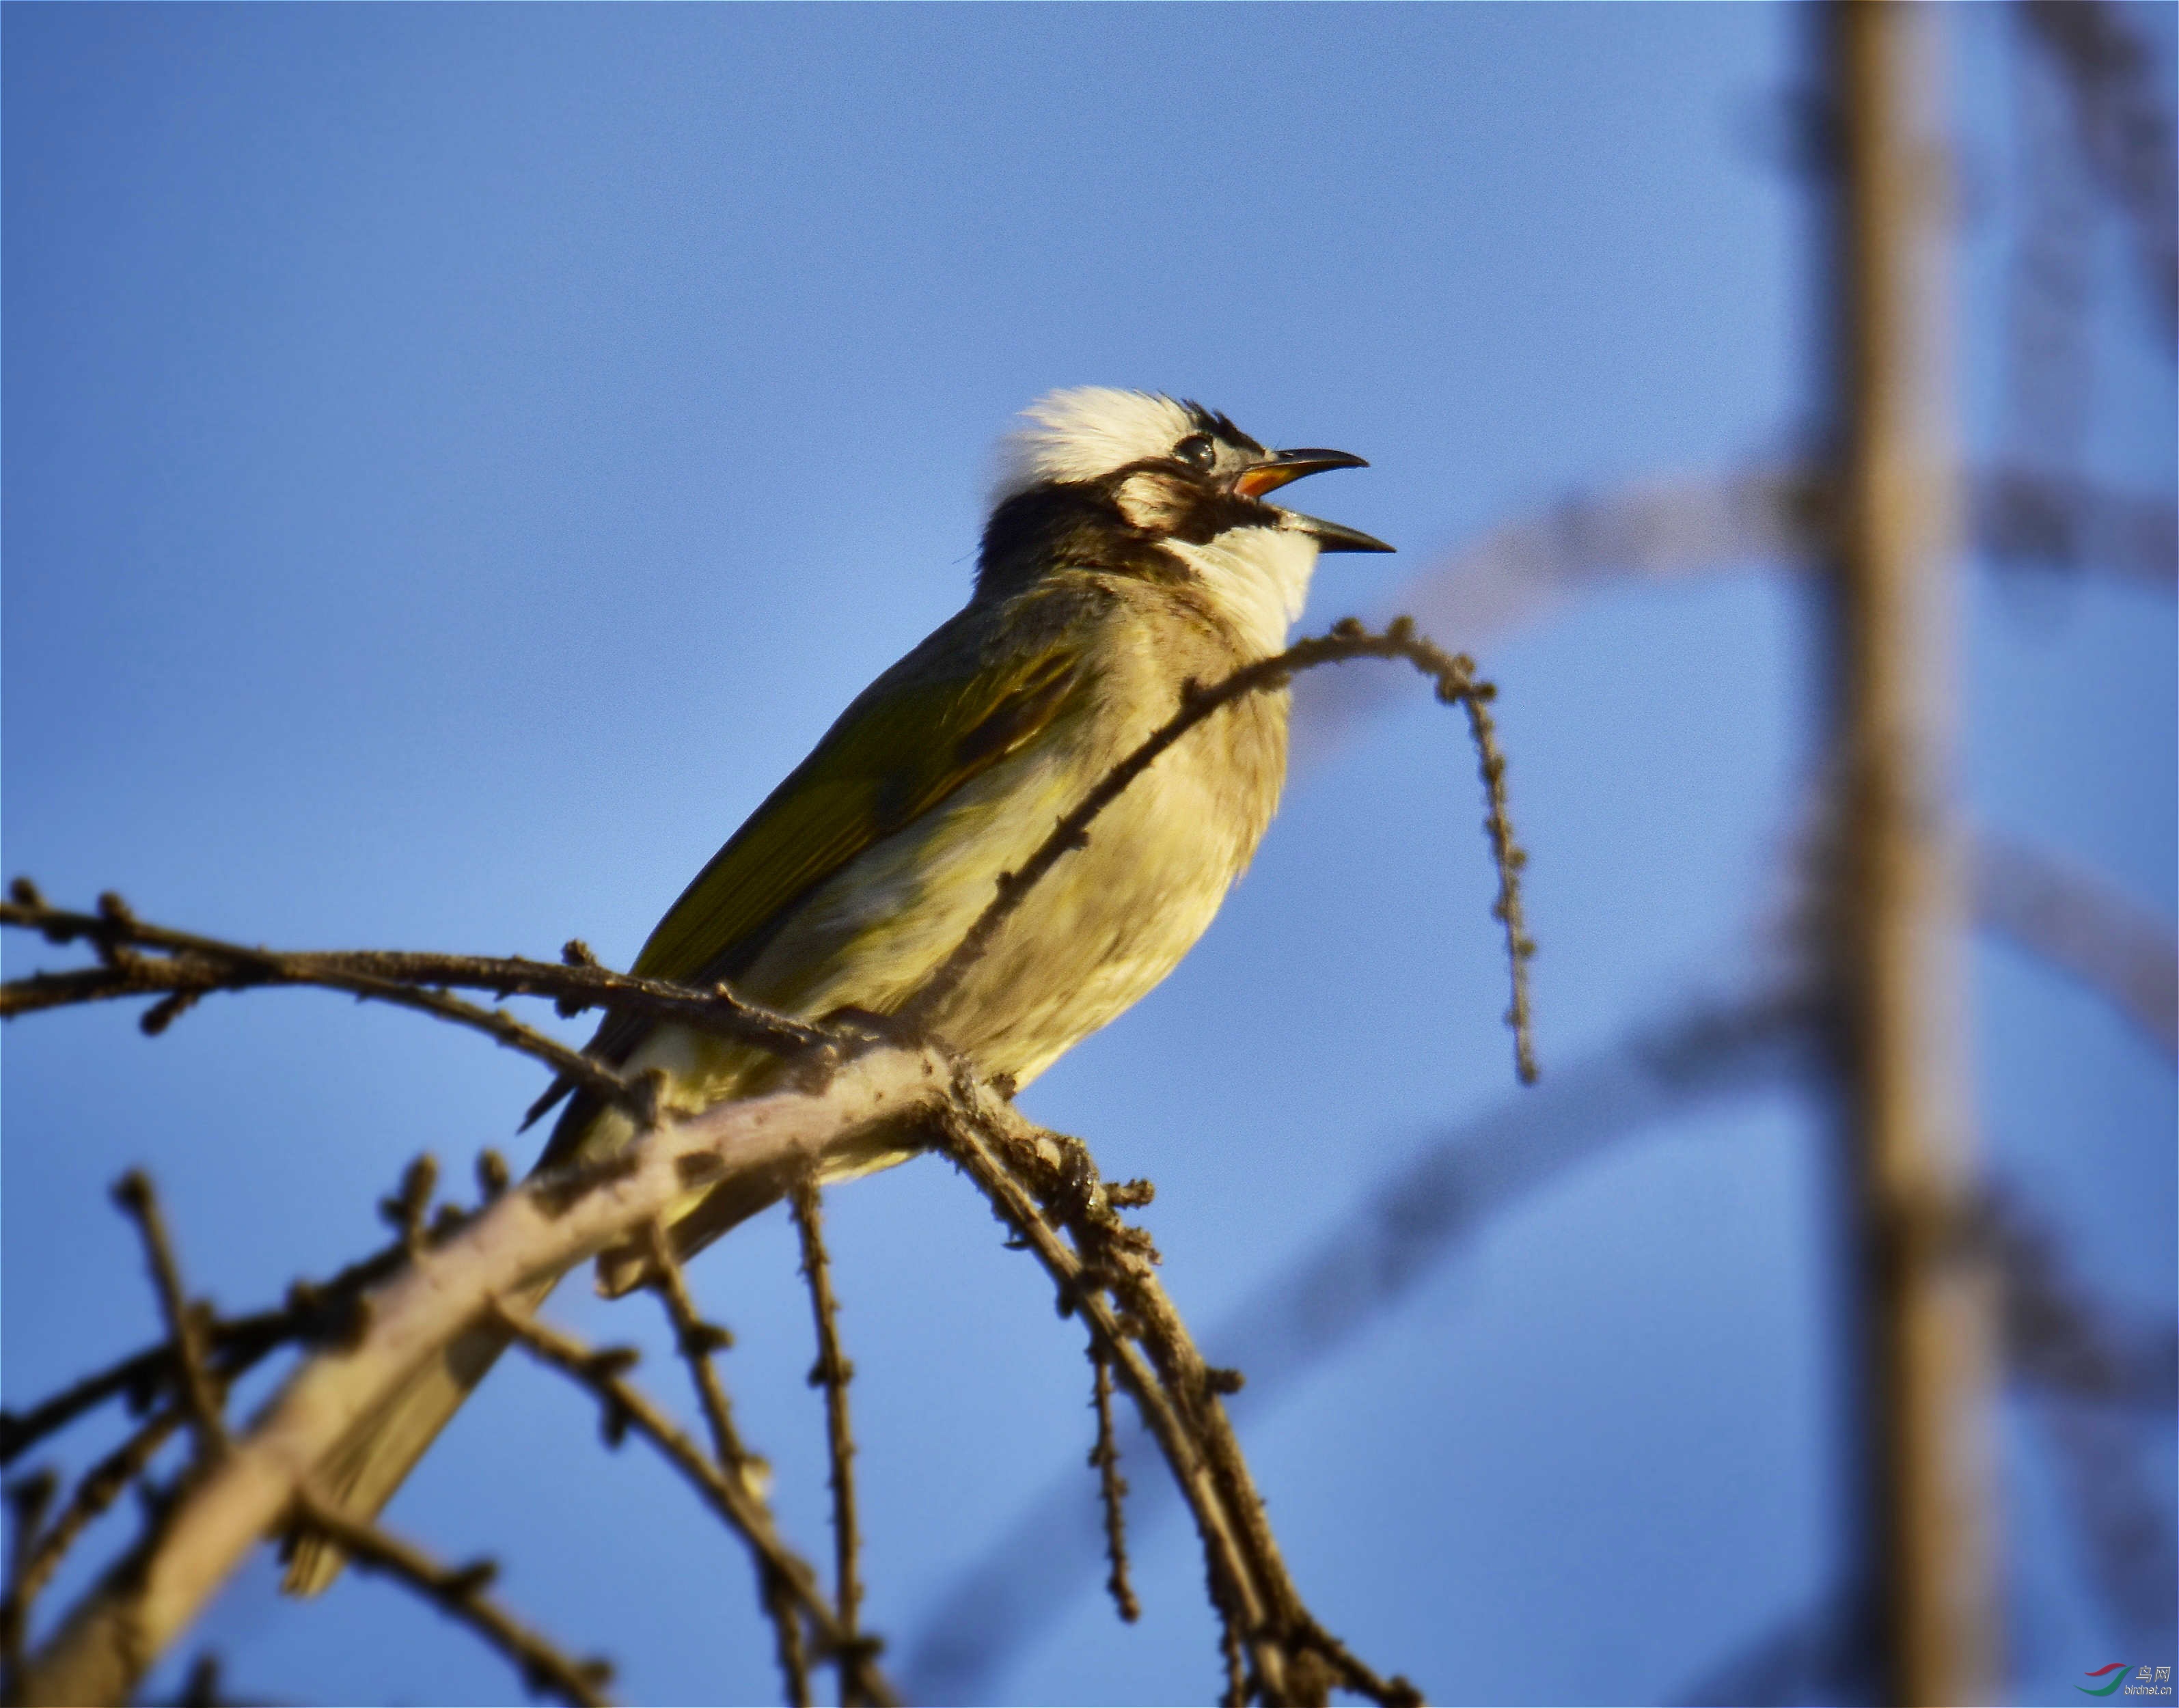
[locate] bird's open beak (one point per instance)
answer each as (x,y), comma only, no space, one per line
(1275,470)
(1282,466)
(1331,536)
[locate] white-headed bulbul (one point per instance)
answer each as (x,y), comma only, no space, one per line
(1132,547)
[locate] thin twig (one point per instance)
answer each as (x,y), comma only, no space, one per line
(1105,1459)
(1509,856)
(697,1340)
(997,1149)
(139,1377)
(201,1398)
(34,1557)
(201,1688)
(1455,676)
(406,1209)
(27,1501)
(315,1310)
(136,1377)
(198,965)
(787,1642)
(833,1372)
(2083,926)
(181,967)
(459,1592)
(1352,1674)
(628,1408)
(1033,1178)
(2122,117)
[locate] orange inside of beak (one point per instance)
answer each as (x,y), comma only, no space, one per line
(1266,477)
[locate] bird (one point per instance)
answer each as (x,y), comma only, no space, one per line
(1130,550)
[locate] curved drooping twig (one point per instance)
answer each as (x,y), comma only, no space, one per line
(1454,673)
(1664,530)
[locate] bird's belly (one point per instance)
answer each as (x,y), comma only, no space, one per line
(1105,925)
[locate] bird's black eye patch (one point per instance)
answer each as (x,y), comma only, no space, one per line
(1197,450)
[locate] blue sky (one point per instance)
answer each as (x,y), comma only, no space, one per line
(457,461)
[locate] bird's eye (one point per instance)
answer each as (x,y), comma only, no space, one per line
(1197,450)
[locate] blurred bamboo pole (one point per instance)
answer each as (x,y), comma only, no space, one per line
(1928,1330)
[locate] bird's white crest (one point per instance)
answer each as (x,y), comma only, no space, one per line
(1085,431)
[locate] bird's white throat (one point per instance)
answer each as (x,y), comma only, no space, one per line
(1260,577)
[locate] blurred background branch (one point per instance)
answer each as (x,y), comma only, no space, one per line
(1777,517)
(2122,115)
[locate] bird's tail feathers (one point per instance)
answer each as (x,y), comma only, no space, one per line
(377,1455)
(362,1473)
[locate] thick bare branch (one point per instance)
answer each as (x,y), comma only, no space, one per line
(547,1226)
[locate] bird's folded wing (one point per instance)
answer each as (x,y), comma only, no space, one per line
(898,751)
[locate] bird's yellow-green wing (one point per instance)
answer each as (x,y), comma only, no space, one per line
(890,759)
(914,737)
